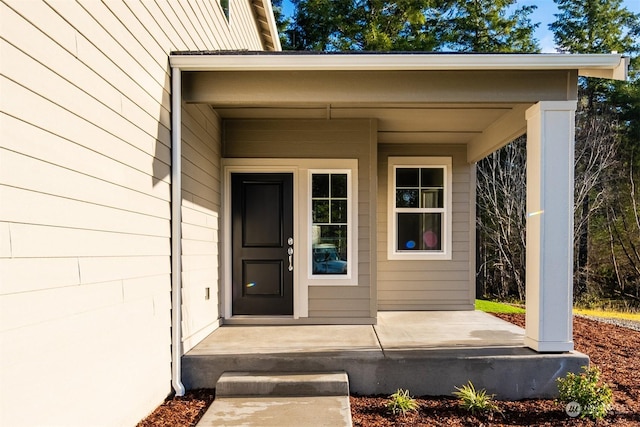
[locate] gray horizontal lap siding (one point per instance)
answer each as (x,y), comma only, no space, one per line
(348,139)
(429,285)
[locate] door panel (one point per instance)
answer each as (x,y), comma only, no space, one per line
(262,214)
(262,277)
(262,223)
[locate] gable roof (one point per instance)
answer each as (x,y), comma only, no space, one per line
(266,24)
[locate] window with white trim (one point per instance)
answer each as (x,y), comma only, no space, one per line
(419,208)
(331,224)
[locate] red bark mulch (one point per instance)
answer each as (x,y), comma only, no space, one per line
(614,349)
(182,411)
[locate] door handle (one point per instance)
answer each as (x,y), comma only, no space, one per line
(290,252)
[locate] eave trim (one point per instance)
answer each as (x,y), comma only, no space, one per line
(612,66)
(265,19)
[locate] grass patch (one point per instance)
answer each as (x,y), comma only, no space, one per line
(497,307)
(606,314)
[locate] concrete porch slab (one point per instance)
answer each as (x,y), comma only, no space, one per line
(408,330)
(427,352)
(288,339)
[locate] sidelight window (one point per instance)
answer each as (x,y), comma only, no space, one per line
(330,223)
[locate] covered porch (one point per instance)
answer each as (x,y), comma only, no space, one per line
(428,353)
(281,110)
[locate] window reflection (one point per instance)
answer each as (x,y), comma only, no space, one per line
(329,216)
(420,204)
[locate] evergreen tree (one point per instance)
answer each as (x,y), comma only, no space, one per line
(610,109)
(282,23)
(369,25)
(485,26)
(412,25)
(595,26)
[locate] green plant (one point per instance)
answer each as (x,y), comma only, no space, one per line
(475,400)
(594,398)
(497,307)
(401,402)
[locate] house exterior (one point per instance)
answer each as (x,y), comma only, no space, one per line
(162,173)
(85,201)
(402,133)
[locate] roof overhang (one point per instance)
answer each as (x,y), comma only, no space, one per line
(476,100)
(610,66)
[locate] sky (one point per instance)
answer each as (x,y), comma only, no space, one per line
(543,14)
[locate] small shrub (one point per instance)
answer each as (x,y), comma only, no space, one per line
(401,402)
(594,398)
(475,400)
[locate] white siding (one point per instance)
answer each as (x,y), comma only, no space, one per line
(429,285)
(200,222)
(85,203)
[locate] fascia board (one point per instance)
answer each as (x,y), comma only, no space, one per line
(271,22)
(613,66)
(621,72)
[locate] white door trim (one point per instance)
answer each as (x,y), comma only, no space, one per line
(300,292)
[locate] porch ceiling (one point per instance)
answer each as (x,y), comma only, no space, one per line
(397,123)
(477,100)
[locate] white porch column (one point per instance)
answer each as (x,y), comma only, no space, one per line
(549,278)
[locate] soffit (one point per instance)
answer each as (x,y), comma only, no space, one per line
(405,123)
(439,107)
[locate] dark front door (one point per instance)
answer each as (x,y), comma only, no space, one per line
(262,233)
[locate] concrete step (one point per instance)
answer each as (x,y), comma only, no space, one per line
(238,384)
(280,399)
(278,411)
